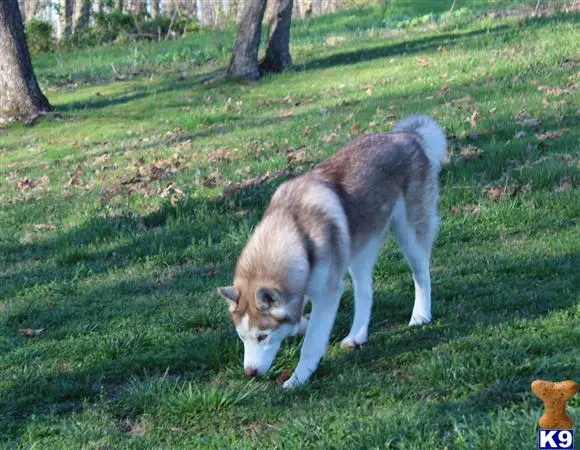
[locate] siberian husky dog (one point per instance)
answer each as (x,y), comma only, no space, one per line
(330,221)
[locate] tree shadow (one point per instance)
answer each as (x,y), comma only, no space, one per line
(410,47)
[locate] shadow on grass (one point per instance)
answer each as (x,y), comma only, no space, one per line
(507,32)
(201,345)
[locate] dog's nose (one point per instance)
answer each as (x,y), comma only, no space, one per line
(250,371)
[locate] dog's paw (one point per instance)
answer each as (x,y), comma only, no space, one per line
(418,320)
(355,341)
(293,382)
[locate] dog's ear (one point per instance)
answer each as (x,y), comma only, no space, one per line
(268,298)
(231,294)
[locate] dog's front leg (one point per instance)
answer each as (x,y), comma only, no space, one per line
(317,335)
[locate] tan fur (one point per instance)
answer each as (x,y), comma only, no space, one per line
(320,223)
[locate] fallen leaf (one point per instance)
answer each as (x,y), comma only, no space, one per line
(297,156)
(369,92)
(44,226)
(520,134)
(221,155)
(473,119)
(470,152)
(284,376)
(470,208)
(213,179)
(551,134)
(30,332)
(356,130)
(234,188)
(25,184)
(286,113)
(73,181)
(497,192)
(329,138)
(565,185)
(465,99)
(555,91)
(102,159)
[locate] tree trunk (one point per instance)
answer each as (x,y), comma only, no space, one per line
(65,19)
(29,8)
(278,52)
(82,14)
(155,8)
(138,6)
(119,5)
(244,61)
(20,96)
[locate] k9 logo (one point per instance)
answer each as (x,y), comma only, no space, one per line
(560,439)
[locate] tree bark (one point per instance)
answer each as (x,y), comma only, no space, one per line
(155,8)
(66,18)
(278,51)
(82,14)
(20,96)
(28,9)
(244,61)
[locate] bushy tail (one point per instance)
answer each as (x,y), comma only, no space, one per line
(432,135)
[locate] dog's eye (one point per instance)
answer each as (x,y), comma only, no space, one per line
(262,337)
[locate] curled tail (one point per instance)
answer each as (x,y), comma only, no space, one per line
(432,137)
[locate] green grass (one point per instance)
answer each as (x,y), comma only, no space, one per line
(121,269)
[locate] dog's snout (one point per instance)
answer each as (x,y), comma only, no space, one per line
(251,372)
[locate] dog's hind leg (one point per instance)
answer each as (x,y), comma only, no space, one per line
(361,273)
(416,250)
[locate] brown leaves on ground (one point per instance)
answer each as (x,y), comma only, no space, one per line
(284,376)
(565,185)
(213,179)
(221,155)
(468,209)
(138,427)
(30,332)
(286,113)
(144,175)
(174,193)
(553,134)
(330,137)
(556,91)
(234,188)
(498,192)
(26,184)
(297,156)
(469,151)
(356,130)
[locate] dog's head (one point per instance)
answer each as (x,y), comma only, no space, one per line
(263,316)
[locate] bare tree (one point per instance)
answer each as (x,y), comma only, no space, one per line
(155,9)
(20,96)
(29,8)
(244,60)
(82,14)
(278,51)
(65,10)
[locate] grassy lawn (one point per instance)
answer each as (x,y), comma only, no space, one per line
(119,218)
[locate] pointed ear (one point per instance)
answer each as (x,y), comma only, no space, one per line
(231,294)
(268,298)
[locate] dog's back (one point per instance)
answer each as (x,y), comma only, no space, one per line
(332,220)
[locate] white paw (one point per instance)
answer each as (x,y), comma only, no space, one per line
(354,340)
(293,382)
(418,319)
(350,342)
